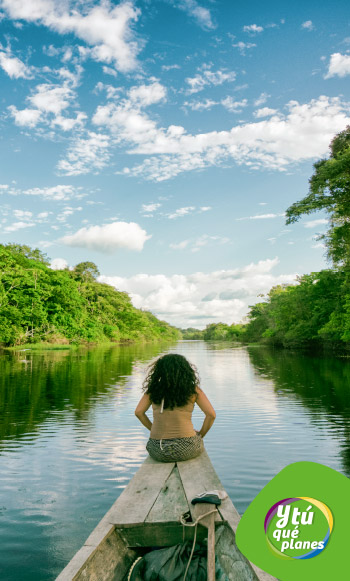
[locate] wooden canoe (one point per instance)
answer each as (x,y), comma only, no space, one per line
(147,514)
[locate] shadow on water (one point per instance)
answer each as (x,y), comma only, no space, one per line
(321,384)
(37,384)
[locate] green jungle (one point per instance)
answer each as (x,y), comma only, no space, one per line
(61,307)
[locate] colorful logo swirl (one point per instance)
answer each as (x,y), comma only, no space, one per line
(277,531)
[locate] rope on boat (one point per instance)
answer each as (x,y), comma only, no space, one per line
(193,524)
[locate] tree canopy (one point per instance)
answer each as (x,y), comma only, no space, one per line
(38,304)
(330,191)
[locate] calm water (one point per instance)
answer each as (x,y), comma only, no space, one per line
(69,441)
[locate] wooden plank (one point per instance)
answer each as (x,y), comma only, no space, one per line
(197,476)
(137,499)
(159,535)
(111,559)
(171,502)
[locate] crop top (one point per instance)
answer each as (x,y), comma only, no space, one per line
(172,423)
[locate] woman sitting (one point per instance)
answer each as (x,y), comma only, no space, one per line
(172,388)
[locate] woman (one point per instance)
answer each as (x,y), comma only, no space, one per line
(172,388)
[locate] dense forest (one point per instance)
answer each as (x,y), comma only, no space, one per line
(315,311)
(215,332)
(39,304)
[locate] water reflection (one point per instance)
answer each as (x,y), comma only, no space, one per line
(321,384)
(69,441)
(37,385)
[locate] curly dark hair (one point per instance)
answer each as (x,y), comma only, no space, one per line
(173,378)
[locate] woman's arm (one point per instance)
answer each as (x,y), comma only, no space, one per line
(141,409)
(206,407)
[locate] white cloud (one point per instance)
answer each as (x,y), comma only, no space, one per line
(243,46)
(234,106)
(229,103)
(339,65)
(149,208)
(262,217)
(208,77)
(105,27)
(13,66)
(18,226)
(307,25)
(145,95)
(201,15)
(253,28)
(24,214)
(200,105)
(264,112)
(170,67)
(313,223)
(55,193)
(86,155)
(109,71)
(201,298)
(198,243)
(58,264)
(302,133)
(261,99)
(180,212)
(180,245)
(25,117)
(51,99)
(109,238)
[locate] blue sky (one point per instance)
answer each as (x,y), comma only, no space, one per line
(164,141)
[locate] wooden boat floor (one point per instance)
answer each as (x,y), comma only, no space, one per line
(147,513)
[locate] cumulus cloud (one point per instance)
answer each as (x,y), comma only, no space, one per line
(109,238)
(201,298)
(302,133)
(49,102)
(105,27)
(145,95)
(264,112)
(25,117)
(339,65)
(86,154)
(13,66)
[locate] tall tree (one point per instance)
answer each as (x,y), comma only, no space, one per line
(86,271)
(330,190)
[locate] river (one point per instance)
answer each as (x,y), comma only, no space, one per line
(69,441)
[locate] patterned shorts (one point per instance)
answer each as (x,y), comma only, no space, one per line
(176,449)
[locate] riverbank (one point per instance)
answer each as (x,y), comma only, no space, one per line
(44,306)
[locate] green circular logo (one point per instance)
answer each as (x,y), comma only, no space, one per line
(298,528)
